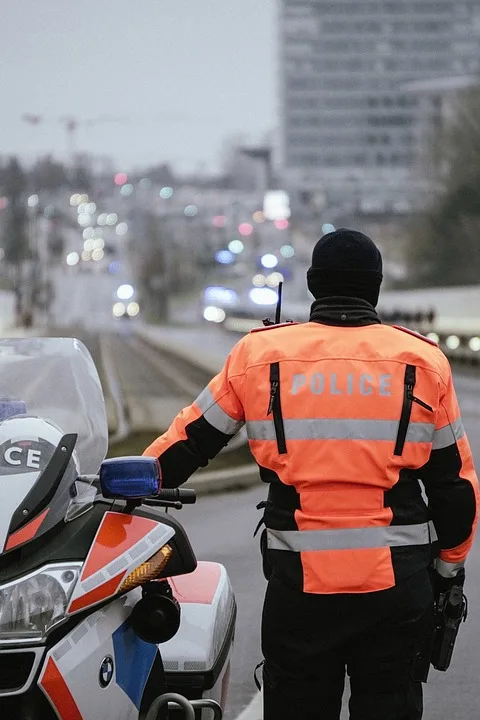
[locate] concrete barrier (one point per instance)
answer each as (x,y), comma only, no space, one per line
(234,478)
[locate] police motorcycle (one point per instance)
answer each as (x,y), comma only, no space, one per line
(105,612)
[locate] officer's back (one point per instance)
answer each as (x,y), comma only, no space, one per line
(345,417)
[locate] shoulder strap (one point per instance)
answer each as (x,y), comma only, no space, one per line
(415,334)
(273,326)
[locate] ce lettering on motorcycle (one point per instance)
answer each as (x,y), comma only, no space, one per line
(17,455)
(25,455)
(122,543)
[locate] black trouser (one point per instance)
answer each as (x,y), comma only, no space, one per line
(309,641)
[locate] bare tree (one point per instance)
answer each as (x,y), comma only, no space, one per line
(15,239)
(445,248)
(153,270)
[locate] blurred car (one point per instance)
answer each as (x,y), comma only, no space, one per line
(240,311)
(125,310)
(125,304)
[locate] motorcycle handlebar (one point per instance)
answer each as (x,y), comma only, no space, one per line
(184,495)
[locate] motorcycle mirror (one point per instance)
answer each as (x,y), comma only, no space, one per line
(130,478)
(156,618)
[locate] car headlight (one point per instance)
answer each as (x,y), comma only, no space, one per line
(31,606)
(214,314)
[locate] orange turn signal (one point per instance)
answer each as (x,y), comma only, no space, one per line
(148,570)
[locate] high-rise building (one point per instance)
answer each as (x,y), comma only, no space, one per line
(347,120)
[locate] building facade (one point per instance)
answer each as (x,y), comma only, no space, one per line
(348,124)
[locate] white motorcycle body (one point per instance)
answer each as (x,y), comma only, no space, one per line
(74,564)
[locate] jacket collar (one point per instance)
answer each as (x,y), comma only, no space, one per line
(343,311)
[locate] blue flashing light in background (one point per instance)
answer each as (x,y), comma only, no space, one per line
(190,210)
(327,228)
(166,193)
(263,296)
(218,294)
(224,257)
(114,267)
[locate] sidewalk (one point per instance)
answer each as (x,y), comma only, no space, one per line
(254,711)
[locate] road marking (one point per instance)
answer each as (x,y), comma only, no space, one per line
(254,711)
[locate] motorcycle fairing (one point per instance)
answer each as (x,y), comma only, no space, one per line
(56,379)
(208,607)
(53,428)
(12,491)
(71,677)
(49,495)
(202,647)
(134,661)
(122,543)
(27,532)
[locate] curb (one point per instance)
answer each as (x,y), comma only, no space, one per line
(217,481)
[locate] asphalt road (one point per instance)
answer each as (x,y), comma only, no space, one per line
(221,529)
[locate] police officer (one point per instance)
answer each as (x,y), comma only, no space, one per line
(344,416)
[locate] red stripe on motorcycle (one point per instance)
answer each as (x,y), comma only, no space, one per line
(97,595)
(56,689)
(27,532)
(199,586)
(117,534)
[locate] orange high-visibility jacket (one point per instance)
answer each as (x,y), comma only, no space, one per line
(343,423)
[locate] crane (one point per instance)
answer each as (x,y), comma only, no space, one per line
(71,125)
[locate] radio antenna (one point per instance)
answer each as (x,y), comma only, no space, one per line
(279,303)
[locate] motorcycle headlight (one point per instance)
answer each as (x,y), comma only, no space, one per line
(32,605)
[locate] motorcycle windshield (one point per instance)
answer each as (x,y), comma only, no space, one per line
(54,379)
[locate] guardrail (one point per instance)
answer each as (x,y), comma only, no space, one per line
(460,347)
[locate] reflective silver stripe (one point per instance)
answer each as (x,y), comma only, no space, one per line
(339,429)
(215,415)
(448,435)
(447,569)
(350,538)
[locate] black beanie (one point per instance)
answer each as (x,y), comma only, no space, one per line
(346,263)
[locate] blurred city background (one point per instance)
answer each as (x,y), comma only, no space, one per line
(197,145)
(164,166)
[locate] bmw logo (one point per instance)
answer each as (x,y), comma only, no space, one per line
(106,671)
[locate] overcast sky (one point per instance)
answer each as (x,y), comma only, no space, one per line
(176,78)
